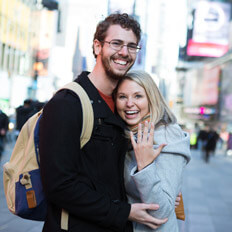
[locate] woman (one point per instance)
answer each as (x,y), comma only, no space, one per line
(151,177)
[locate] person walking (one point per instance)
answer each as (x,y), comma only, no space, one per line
(211,142)
(4,121)
(151,176)
(88,183)
(202,139)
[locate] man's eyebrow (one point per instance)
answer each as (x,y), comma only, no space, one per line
(121,41)
(118,40)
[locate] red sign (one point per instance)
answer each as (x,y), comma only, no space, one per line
(206,49)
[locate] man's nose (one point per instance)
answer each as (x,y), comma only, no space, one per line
(124,50)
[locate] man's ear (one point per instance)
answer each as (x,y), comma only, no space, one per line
(97,47)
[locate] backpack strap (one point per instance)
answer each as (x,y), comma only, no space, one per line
(87,128)
(87,109)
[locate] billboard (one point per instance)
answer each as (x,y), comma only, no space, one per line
(210,36)
(201,87)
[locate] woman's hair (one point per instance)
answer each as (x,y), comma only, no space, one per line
(160,113)
(124,20)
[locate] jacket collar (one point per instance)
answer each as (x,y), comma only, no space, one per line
(100,107)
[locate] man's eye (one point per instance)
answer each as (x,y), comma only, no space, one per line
(133,46)
(116,43)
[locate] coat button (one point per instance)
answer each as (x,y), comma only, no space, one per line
(99,101)
(116,201)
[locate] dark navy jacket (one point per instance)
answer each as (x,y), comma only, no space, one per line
(88,183)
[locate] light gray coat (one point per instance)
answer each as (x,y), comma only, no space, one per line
(160,182)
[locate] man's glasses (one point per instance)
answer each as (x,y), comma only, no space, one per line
(117,45)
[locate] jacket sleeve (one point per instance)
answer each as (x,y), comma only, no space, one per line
(59,145)
(160,182)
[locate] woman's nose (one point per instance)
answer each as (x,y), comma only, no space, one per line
(129,103)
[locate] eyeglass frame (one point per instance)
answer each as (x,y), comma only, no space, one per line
(137,48)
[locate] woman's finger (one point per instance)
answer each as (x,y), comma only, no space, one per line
(139,138)
(145,132)
(132,139)
(151,134)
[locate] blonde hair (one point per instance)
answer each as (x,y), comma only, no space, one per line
(160,113)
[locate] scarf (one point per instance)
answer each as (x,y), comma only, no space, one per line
(134,128)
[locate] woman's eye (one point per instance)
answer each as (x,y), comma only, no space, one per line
(138,96)
(122,97)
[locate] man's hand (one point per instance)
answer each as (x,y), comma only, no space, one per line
(139,214)
(177,202)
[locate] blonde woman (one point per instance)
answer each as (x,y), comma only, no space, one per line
(151,176)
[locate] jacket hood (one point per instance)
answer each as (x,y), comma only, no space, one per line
(177,141)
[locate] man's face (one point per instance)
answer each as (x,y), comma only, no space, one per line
(117,63)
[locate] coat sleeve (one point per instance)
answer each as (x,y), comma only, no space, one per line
(59,145)
(160,182)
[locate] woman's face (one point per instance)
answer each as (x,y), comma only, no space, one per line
(131,102)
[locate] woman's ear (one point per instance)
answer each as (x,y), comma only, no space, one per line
(97,47)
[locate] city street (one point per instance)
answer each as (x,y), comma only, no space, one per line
(207,193)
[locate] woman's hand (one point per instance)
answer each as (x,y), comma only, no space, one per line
(143,149)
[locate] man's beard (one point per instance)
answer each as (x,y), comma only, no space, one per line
(110,72)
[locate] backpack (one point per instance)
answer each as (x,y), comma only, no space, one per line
(21,175)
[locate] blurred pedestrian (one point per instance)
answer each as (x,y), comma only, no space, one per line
(202,139)
(24,112)
(88,183)
(211,142)
(229,142)
(193,140)
(4,121)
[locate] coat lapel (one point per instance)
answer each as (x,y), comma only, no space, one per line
(100,108)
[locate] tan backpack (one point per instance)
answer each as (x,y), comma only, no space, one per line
(21,175)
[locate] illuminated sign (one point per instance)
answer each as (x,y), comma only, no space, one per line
(211,30)
(200,110)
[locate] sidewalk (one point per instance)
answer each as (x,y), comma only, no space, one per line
(207,194)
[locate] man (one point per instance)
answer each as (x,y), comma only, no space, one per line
(88,182)
(4,121)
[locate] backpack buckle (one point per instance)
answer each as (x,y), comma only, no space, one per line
(26,180)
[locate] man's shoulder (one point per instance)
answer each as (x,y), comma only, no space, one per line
(83,77)
(63,101)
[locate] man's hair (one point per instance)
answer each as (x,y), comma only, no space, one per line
(124,20)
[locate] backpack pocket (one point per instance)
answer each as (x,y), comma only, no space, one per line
(30,202)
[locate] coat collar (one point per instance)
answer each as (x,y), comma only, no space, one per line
(100,108)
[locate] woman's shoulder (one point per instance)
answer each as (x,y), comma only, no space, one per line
(177,141)
(171,130)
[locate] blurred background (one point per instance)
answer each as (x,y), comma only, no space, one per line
(186,47)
